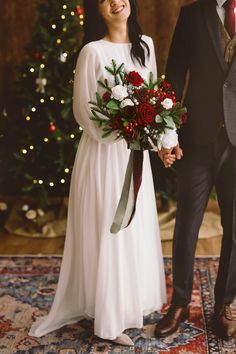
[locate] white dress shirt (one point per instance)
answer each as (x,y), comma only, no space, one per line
(220,9)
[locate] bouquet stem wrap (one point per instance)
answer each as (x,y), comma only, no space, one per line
(127,203)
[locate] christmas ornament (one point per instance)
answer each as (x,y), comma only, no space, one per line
(63,57)
(41,83)
(79,10)
(37,56)
(52,127)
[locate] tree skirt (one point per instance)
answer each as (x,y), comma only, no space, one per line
(27,289)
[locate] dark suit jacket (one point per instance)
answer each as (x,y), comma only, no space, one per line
(211,94)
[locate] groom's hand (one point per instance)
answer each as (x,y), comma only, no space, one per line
(169,156)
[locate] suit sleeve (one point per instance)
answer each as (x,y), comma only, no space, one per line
(178,60)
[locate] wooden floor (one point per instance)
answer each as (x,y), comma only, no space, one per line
(16,245)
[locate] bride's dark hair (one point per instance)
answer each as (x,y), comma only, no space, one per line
(95,28)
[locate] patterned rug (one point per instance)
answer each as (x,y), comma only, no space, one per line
(27,287)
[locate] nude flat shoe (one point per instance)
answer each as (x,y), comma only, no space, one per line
(123,339)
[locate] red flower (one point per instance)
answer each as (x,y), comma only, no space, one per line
(146,114)
(183,118)
(134,78)
(106,96)
(116,123)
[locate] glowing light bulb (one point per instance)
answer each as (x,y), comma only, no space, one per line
(63,17)
(72,136)
(35,181)
(52,98)
(81,16)
(67,170)
(64,7)
(163,77)
(64,29)
(31,70)
(58,41)
(24,151)
(31,147)
(27,118)
(51,184)
(63,180)
(42,100)
(33,109)
(81,23)
(54,26)
(72,13)
(42,66)
(80,128)
(40,181)
(62,101)
(46,140)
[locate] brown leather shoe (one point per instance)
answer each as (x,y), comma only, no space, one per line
(171,321)
(225,323)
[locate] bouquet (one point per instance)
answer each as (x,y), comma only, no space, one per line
(145,114)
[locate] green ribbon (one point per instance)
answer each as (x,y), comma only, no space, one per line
(123,202)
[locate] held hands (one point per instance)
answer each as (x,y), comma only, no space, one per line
(169,156)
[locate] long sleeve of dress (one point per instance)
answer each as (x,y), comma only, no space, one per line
(153,63)
(88,71)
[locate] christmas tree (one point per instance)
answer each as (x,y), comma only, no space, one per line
(44,132)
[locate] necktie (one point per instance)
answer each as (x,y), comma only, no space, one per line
(230,14)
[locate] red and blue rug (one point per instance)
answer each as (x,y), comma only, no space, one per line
(27,287)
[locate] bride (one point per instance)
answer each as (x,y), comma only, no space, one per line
(114,279)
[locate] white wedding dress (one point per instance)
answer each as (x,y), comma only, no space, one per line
(115,279)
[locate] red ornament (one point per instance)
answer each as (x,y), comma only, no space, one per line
(37,56)
(52,127)
(80,10)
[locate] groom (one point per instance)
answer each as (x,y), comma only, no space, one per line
(204,47)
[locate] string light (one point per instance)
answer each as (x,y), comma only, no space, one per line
(80,128)
(24,151)
(64,7)
(40,181)
(33,109)
(81,23)
(72,136)
(67,170)
(42,66)
(27,118)
(63,17)
(52,98)
(54,26)
(63,180)
(31,70)
(51,184)
(62,101)
(58,41)
(42,100)
(64,29)
(31,147)
(72,13)
(46,140)
(59,138)
(163,77)
(35,181)
(81,16)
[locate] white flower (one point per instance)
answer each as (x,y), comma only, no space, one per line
(119,92)
(25,207)
(3,206)
(168,140)
(40,212)
(167,103)
(31,214)
(126,102)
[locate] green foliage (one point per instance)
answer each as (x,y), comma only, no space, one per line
(44,131)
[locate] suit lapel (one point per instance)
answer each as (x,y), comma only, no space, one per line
(232,67)
(211,18)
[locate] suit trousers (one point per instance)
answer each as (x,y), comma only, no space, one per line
(201,168)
